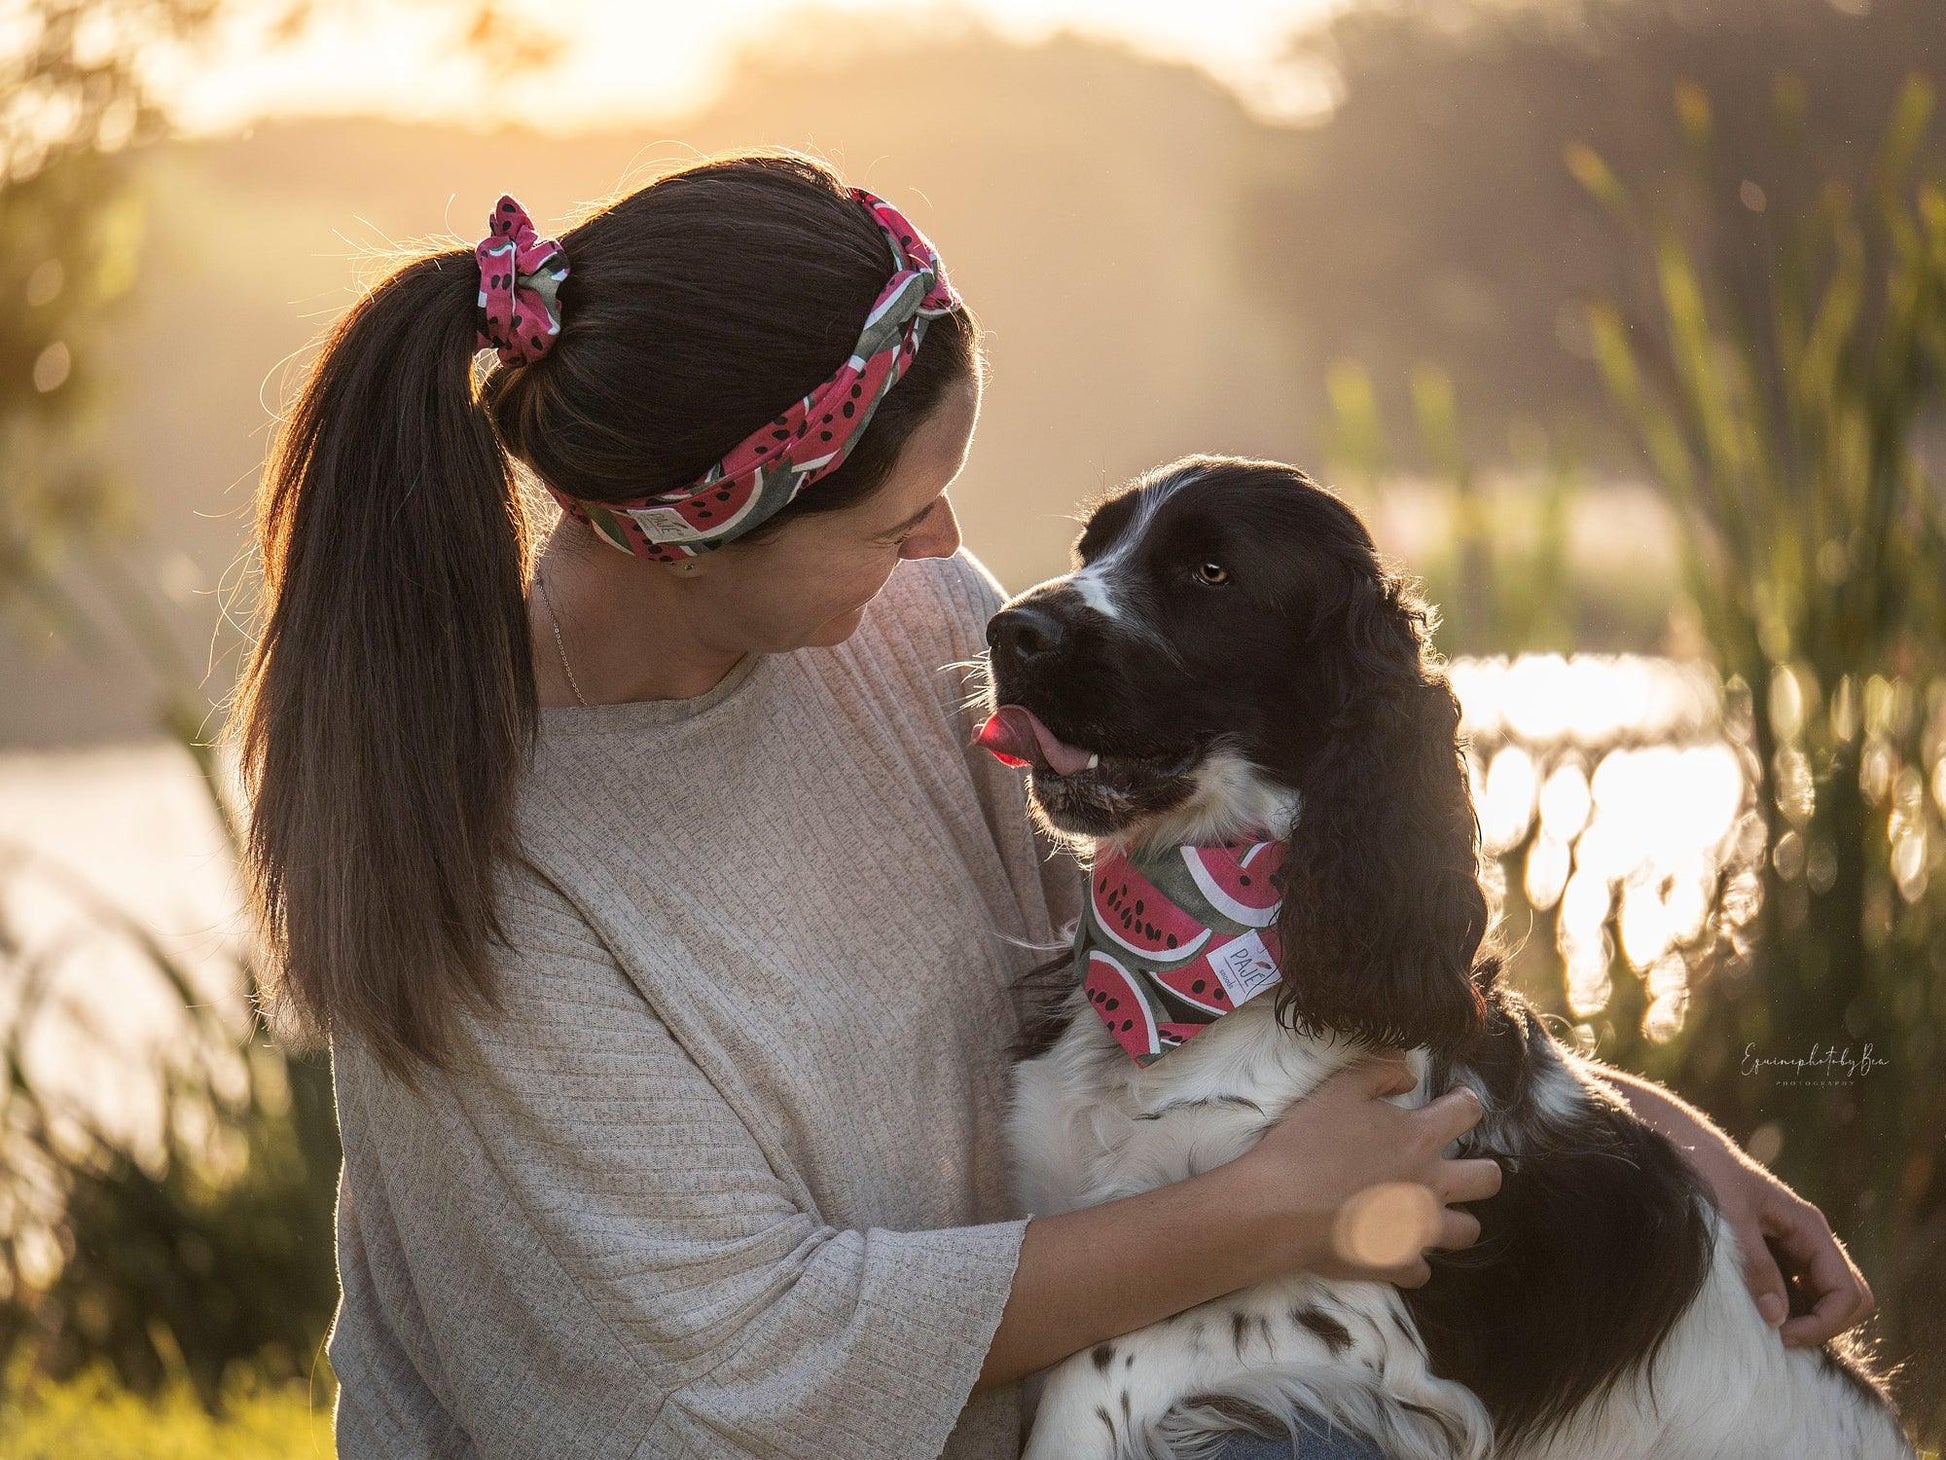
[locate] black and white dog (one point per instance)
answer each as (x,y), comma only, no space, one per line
(1232,653)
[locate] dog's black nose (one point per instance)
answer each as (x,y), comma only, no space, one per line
(1025,631)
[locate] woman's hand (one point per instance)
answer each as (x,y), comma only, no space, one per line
(1364,1180)
(1345,1184)
(1757,1205)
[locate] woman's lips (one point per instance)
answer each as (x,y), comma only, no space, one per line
(1015,736)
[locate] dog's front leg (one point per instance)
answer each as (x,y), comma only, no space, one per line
(1073,1421)
(1106,1402)
(1299,1354)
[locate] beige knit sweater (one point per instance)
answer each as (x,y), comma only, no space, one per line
(727,1178)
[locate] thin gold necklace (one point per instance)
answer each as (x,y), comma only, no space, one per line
(554,619)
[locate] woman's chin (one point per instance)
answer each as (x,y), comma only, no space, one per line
(836,630)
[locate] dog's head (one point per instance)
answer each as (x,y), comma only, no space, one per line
(1232,653)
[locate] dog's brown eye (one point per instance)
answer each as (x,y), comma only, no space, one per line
(1214,574)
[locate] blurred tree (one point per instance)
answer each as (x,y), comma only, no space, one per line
(1779,400)
(1435,184)
(1784,427)
(1501,575)
(72,104)
(180,1263)
(76,105)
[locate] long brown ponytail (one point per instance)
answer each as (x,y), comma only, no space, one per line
(388,711)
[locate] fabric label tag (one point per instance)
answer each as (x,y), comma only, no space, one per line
(666,524)
(1245,967)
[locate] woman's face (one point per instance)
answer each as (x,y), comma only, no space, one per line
(810,583)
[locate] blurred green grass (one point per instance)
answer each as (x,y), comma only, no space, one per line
(91,1417)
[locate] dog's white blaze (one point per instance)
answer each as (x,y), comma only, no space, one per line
(1095,584)
(1091,586)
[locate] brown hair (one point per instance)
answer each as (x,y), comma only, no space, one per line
(389,707)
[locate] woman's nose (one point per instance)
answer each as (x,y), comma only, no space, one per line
(938,538)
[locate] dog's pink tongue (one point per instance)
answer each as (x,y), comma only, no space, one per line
(1016,736)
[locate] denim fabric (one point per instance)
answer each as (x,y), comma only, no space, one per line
(1319,1444)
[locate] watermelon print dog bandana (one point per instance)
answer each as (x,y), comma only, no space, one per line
(810,439)
(520,282)
(1175,938)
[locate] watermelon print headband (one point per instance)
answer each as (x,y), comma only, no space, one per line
(520,282)
(809,439)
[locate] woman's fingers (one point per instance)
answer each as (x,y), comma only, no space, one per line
(1380,1074)
(1456,1230)
(1378,1190)
(1386,1072)
(1837,1309)
(1452,1115)
(1840,1295)
(1415,1274)
(1761,1274)
(1474,1179)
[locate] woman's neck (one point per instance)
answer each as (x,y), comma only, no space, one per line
(607,630)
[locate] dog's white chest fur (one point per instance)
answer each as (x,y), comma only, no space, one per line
(1090,1125)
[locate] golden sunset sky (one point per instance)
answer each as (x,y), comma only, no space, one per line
(626,60)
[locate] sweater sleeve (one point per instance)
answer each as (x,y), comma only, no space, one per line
(616,1267)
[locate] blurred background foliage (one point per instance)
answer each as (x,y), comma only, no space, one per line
(72,117)
(187,1265)
(161,1263)
(1780,409)
(1623,321)
(1780,395)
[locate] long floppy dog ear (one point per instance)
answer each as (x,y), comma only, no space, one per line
(1383,913)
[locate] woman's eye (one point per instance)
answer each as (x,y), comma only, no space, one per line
(1214,574)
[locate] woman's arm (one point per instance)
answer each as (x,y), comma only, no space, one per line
(574,1233)
(1757,1205)
(1270,1212)
(569,1242)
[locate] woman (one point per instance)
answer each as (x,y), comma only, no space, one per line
(661,920)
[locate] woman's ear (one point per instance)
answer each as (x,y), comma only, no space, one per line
(1383,913)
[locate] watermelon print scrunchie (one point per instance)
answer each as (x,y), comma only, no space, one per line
(809,439)
(520,281)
